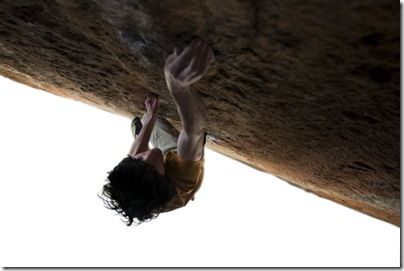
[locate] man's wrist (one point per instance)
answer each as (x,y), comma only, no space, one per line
(174,84)
(177,87)
(150,118)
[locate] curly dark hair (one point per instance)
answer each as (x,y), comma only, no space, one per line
(136,191)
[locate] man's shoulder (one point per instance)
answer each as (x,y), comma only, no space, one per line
(181,171)
(173,155)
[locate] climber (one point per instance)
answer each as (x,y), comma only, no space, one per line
(152,181)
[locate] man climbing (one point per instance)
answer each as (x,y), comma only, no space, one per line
(151,181)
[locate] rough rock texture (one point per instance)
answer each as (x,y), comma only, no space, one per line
(308,90)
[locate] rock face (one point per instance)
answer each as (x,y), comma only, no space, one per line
(306,90)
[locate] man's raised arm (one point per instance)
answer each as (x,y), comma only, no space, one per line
(181,70)
(141,143)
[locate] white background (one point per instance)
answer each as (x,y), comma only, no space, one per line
(55,154)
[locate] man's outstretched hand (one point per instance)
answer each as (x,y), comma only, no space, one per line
(152,105)
(185,67)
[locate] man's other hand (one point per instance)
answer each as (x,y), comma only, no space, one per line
(185,67)
(152,105)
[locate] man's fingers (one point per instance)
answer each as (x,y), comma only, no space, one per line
(180,63)
(152,98)
(188,74)
(206,57)
(177,51)
(177,67)
(201,60)
(190,64)
(198,57)
(203,54)
(152,95)
(170,59)
(188,52)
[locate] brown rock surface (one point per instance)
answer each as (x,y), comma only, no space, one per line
(306,90)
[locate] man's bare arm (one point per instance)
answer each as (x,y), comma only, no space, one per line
(181,70)
(141,143)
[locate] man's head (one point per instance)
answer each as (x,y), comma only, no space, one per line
(154,158)
(137,187)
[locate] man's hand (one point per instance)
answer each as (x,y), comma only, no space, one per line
(185,68)
(152,105)
(141,143)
